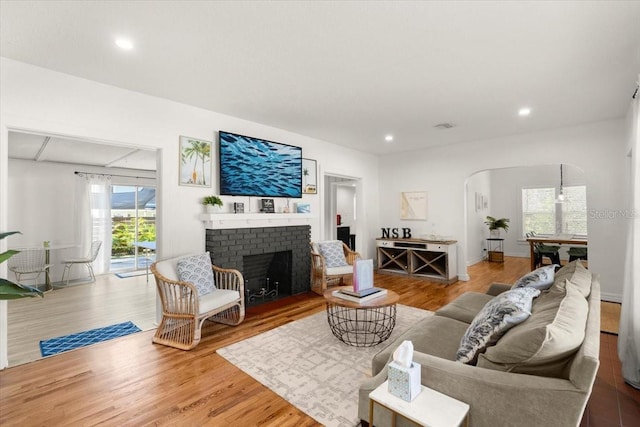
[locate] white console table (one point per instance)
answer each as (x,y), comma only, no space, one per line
(427,258)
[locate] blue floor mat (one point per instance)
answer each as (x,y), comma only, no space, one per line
(81,339)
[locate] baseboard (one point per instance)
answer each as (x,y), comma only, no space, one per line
(475,261)
(606,296)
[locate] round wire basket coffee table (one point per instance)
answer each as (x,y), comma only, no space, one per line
(361,324)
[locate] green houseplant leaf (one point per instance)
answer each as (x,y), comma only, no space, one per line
(497,223)
(8,289)
(212,200)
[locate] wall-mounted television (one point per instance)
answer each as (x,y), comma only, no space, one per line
(257,167)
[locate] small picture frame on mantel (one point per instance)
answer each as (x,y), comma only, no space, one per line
(267,206)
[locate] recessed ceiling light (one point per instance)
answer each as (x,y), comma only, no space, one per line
(388,138)
(124,44)
(525,111)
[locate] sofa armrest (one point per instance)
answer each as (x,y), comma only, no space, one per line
(491,394)
(498,288)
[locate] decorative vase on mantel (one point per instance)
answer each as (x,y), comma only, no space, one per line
(212,209)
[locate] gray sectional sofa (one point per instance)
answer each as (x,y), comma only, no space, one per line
(539,373)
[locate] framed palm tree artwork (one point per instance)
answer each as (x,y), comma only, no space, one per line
(309,176)
(195,162)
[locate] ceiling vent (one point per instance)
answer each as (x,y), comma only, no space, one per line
(443,126)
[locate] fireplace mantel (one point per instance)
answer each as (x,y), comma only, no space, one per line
(247,220)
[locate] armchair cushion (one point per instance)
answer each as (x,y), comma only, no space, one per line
(333,253)
(216,299)
(196,269)
(335,271)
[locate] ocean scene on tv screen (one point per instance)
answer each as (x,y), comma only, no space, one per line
(255,167)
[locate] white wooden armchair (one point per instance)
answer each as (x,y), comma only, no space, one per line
(323,274)
(184,311)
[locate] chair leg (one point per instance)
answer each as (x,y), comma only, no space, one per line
(66,272)
(93,276)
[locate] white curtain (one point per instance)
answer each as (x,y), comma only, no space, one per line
(93,194)
(629,337)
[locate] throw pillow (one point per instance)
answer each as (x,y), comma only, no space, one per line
(197,270)
(496,317)
(547,341)
(333,253)
(577,274)
(542,278)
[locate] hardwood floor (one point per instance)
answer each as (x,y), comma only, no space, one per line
(108,301)
(130,381)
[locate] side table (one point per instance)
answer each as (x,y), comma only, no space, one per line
(430,408)
(495,249)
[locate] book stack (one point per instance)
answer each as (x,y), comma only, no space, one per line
(359,296)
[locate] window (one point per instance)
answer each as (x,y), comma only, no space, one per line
(541,214)
(574,211)
(539,210)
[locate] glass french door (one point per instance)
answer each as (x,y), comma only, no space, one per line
(133,232)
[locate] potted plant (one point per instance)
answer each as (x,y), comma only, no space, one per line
(8,289)
(212,203)
(495,224)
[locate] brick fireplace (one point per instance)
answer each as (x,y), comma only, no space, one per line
(275,261)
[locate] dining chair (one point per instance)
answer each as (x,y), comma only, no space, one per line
(88,260)
(577,253)
(28,262)
(544,251)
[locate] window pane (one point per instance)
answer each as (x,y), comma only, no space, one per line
(538,210)
(574,211)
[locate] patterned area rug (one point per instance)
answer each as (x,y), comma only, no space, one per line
(81,339)
(310,368)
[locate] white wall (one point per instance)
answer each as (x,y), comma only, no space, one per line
(478,185)
(42,204)
(506,197)
(345,196)
(597,148)
(39,100)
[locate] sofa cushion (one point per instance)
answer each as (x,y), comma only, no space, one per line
(496,317)
(543,344)
(196,269)
(438,336)
(577,274)
(541,278)
(333,253)
(465,307)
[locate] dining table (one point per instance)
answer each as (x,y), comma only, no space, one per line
(561,239)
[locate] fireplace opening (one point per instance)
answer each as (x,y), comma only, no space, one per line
(267,277)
